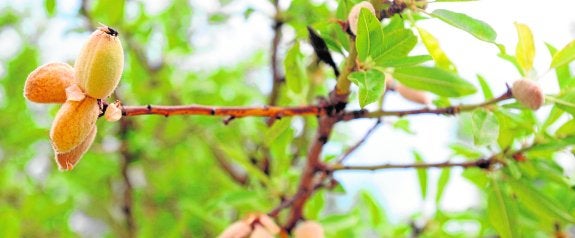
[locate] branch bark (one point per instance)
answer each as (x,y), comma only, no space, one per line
(274,61)
(479,163)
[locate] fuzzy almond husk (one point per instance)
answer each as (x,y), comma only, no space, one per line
(309,229)
(67,161)
(413,95)
(238,229)
(100,63)
(73,124)
(353,16)
(260,232)
(47,83)
(528,93)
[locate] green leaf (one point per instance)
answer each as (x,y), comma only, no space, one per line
(563,73)
(434,49)
(276,130)
(500,211)
(421,175)
(539,203)
(477,28)
(295,75)
(435,80)
(525,51)
(554,115)
(567,129)
(565,101)
(376,213)
(109,12)
(466,151)
(442,183)
(314,206)
(369,40)
(50,6)
(564,56)
(397,44)
(487,94)
(371,85)
(484,127)
(407,61)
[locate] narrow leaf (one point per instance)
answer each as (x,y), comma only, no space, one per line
(442,183)
(487,93)
(434,49)
(407,61)
(477,28)
(500,213)
(50,6)
(294,69)
(525,51)
(435,80)
(564,56)
(565,101)
(421,175)
(371,85)
(540,204)
(563,73)
(397,44)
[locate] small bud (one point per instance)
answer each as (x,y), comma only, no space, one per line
(67,161)
(353,16)
(309,229)
(74,93)
(528,93)
(47,83)
(413,95)
(73,123)
(113,112)
(100,63)
(238,229)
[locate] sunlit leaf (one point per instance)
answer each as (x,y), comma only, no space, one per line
(50,6)
(477,28)
(434,80)
(421,175)
(525,51)
(442,182)
(563,73)
(407,61)
(539,203)
(487,94)
(397,44)
(564,56)
(434,49)
(376,212)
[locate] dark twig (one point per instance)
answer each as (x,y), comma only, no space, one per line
(440,111)
(235,112)
(127,157)
(350,150)
(274,61)
(479,163)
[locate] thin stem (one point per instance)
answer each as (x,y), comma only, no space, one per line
(480,163)
(350,150)
(452,110)
(274,60)
(343,83)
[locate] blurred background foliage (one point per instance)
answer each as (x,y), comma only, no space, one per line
(178,185)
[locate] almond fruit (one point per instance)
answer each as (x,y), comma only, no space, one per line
(309,229)
(73,124)
(100,63)
(353,16)
(48,83)
(67,161)
(528,93)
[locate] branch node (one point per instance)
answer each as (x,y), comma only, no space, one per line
(228,120)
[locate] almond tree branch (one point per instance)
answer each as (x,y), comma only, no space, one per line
(350,150)
(479,163)
(278,79)
(235,112)
(452,110)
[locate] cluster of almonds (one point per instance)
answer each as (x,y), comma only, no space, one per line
(95,75)
(258,225)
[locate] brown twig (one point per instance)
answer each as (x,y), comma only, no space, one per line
(479,163)
(127,157)
(274,61)
(235,112)
(239,176)
(452,110)
(350,150)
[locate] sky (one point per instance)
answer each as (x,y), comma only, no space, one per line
(551,21)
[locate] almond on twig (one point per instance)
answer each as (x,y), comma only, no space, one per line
(528,93)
